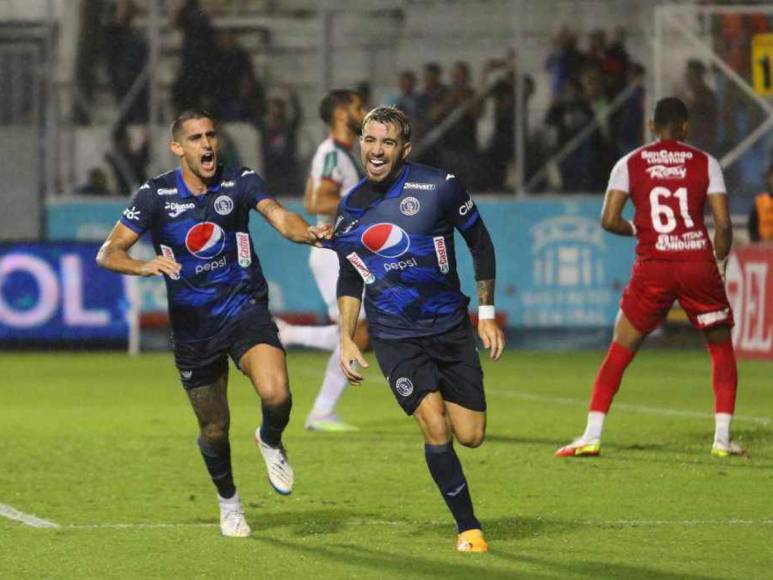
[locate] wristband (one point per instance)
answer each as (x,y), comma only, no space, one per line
(633,227)
(486,312)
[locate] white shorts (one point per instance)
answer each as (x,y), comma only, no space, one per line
(324,266)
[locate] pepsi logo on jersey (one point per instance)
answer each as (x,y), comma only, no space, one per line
(386,240)
(205,240)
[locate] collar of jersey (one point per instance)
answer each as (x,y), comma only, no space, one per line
(394,191)
(184,192)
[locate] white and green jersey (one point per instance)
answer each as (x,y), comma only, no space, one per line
(334,162)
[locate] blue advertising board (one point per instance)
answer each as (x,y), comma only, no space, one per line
(55,293)
(555,266)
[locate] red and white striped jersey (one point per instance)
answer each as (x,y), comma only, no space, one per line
(668,183)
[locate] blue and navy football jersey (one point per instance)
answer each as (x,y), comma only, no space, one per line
(208,235)
(402,245)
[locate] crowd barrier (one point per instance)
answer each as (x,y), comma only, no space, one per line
(750,290)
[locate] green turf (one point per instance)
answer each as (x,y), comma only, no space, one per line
(97,439)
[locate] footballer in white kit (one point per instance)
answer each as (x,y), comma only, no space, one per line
(334,171)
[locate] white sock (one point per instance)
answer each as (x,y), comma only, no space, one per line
(594,426)
(722,428)
(322,337)
(332,387)
(232,502)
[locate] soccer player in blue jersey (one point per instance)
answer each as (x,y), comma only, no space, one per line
(198,217)
(394,235)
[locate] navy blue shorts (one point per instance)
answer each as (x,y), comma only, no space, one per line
(203,362)
(448,363)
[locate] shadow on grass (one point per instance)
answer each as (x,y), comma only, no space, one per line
(476,565)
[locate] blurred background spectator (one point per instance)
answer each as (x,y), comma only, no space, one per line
(760,223)
(281,168)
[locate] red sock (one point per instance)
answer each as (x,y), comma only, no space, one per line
(724,376)
(609,377)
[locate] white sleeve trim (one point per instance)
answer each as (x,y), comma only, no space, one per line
(618,179)
(716,178)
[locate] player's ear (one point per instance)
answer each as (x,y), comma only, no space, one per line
(176,149)
(406,150)
(651,125)
(685,129)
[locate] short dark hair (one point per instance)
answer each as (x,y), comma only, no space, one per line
(670,111)
(334,99)
(390,116)
(188,115)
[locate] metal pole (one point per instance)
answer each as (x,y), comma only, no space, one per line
(325,47)
(51,133)
(154,45)
(519,101)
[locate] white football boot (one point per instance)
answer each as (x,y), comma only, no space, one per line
(232,522)
(280,473)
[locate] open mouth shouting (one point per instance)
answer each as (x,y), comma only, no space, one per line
(208,162)
(377,167)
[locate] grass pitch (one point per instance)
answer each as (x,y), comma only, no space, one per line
(104,446)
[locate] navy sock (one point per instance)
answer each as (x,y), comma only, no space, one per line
(218,462)
(448,475)
(275,420)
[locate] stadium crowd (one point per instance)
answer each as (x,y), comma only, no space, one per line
(593,104)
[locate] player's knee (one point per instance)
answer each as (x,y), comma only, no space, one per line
(473,438)
(214,434)
(436,431)
(275,394)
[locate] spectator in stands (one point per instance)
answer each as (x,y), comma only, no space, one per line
(458,147)
(194,86)
(600,140)
(408,99)
(238,94)
(702,105)
(128,163)
(615,68)
(761,215)
(126,56)
(565,62)
(628,121)
(280,144)
(567,116)
(430,101)
(96,183)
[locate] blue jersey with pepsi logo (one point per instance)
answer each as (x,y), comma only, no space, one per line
(402,246)
(208,235)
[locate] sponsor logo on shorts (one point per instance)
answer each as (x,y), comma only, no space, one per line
(441,253)
(166,191)
(185,375)
(419,186)
(410,205)
(404,386)
(663,172)
(243,249)
(205,240)
(211,266)
(689,241)
(174,208)
(401,265)
(386,240)
(167,252)
(224,205)
(362,269)
(710,318)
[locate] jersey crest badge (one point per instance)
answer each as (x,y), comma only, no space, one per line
(410,206)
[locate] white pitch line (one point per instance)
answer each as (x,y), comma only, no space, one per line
(624,406)
(11,513)
(361,521)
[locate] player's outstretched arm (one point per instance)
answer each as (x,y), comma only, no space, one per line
(114,256)
(612,214)
(291,225)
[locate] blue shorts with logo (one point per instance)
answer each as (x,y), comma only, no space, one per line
(203,362)
(447,362)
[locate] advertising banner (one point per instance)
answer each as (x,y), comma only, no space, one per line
(556,267)
(749,281)
(55,293)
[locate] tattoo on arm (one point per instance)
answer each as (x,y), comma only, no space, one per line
(270,207)
(485,292)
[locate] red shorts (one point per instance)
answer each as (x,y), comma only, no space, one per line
(656,284)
